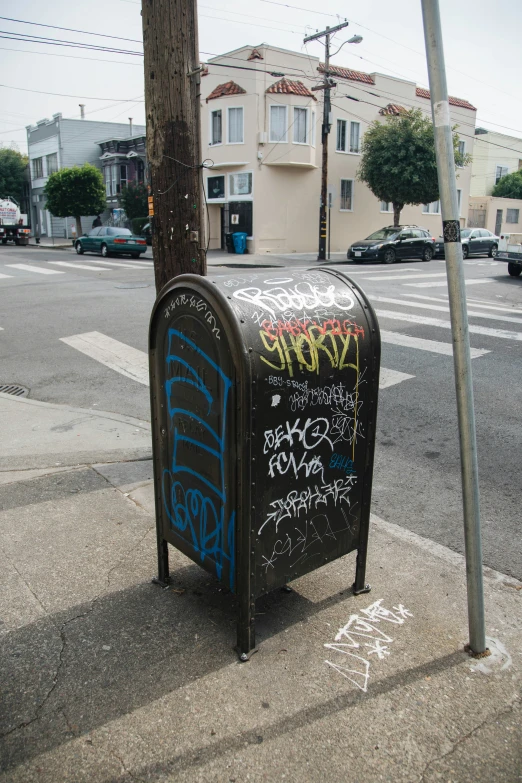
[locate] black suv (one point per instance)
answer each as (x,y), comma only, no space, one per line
(393,243)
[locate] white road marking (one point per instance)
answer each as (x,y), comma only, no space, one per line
(417,319)
(1,275)
(79,266)
(39,270)
(432,346)
(118,356)
(410,277)
(473,302)
(114,263)
(443,309)
(360,271)
(444,282)
(392,377)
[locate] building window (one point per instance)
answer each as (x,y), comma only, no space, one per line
(386,206)
(140,172)
(459,200)
(355,132)
(114,185)
(37,168)
(501,172)
(216,188)
(341,136)
(346,195)
(512,215)
(313,129)
(432,209)
(235,125)
(300,125)
(240,184)
(278,123)
(107,172)
(216,129)
(52,164)
(123,177)
(462,150)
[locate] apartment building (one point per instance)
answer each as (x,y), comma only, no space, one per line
(60,143)
(261,129)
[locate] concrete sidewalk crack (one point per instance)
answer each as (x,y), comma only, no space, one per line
(460,740)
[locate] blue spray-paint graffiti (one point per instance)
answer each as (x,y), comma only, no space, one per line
(194,489)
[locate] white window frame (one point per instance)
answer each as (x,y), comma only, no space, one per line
(229,109)
(306,142)
(51,155)
(349,140)
(114,179)
(41,174)
(245,197)
(463,144)
(337,124)
(513,222)
(346,179)
(429,209)
(107,175)
(499,176)
(312,129)
(211,142)
(284,140)
(126,178)
(389,206)
(223,199)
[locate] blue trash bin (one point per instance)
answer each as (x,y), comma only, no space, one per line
(239,238)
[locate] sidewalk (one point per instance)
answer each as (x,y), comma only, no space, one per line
(110,679)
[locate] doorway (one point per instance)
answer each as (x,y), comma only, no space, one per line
(498,222)
(236,216)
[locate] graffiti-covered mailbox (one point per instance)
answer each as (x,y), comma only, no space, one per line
(264,399)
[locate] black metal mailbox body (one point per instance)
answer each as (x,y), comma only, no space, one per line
(264,393)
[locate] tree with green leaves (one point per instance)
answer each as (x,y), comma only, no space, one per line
(76,191)
(12,173)
(509,186)
(398,160)
(133,199)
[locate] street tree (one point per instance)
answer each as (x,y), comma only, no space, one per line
(509,186)
(76,191)
(398,160)
(133,199)
(12,172)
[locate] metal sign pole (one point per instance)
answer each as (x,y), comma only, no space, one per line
(459,322)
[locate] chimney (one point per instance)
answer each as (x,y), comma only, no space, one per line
(130,126)
(82,110)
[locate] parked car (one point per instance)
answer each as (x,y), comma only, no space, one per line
(109,241)
(393,243)
(146,233)
(475,242)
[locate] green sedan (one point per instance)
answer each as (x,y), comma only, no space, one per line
(111,241)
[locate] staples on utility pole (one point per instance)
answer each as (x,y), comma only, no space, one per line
(459,322)
(326,86)
(172,106)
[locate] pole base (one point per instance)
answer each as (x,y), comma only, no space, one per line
(365,589)
(161,582)
(485,654)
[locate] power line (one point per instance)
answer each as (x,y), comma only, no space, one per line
(69,29)
(70,56)
(64,95)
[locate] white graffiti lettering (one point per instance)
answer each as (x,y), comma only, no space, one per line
(297,298)
(309,435)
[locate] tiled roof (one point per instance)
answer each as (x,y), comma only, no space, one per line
(347,73)
(420,92)
(392,110)
(255,54)
(223,90)
(286,87)
(204,70)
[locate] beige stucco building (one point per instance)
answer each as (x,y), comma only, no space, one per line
(261,128)
(495,156)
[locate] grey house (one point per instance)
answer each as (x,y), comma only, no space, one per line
(60,143)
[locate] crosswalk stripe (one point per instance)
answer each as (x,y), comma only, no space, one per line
(360,271)
(392,377)
(417,319)
(118,356)
(411,277)
(472,302)
(434,284)
(1,275)
(432,346)
(79,266)
(40,270)
(115,263)
(443,309)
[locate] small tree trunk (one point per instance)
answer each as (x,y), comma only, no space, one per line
(397,208)
(78,226)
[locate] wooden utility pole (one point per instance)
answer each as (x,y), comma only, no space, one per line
(172,106)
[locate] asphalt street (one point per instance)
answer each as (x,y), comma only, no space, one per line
(74,331)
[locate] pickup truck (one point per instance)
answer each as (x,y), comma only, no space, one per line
(510,250)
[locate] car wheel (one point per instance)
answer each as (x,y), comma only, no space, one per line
(493,250)
(427,254)
(104,250)
(389,255)
(514,270)
(79,249)
(134,255)
(4,241)
(465,251)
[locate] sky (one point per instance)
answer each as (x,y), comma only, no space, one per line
(481,43)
